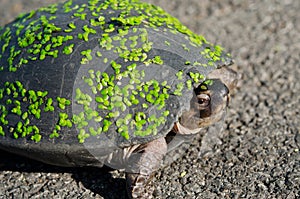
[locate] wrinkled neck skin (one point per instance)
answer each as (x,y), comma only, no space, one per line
(178,128)
(189,124)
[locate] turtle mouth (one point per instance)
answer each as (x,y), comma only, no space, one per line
(213,118)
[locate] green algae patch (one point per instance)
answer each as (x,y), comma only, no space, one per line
(24,104)
(28,106)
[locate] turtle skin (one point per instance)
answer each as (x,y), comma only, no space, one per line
(81,80)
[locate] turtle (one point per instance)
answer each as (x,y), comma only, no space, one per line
(108,83)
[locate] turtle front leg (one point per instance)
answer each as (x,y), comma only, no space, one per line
(141,165)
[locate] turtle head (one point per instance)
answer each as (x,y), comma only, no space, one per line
(208,106)
(209,101)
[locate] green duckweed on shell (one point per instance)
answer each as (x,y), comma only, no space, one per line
(94,68)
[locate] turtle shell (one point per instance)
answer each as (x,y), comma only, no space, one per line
(96,76)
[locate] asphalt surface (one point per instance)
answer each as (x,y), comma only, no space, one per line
(259,155)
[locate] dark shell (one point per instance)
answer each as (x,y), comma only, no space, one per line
(96,75)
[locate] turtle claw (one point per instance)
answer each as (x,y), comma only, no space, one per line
(138,187)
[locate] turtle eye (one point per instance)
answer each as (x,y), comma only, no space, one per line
(203,100)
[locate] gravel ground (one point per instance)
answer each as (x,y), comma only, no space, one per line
(259,155)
